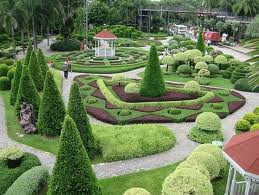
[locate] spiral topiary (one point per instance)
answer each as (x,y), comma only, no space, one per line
(192,86)
(187,181)
(132,88)
(201,65)
(214,123)
(136,191)
(208,160)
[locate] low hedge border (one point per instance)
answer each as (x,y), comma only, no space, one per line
(165,104)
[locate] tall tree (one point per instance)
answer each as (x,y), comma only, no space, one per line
(246,7)
(43,64)
(72,173)
(200,43)
(15,83)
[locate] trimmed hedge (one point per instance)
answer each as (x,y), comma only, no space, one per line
(201,65)
(136,191)
(214,69)
(5,83)
(3,70)
(228,72)
(203,137)
(192,86)
(11,73)
(52,109)
(72,172)
(255,127)
(28,53)
(187,181)
(184,70)
(221,60)
(243,85)
(66,45)
(132,88)
(208,160)
(256,110)
(29,183)
(250,117)
(76,111)
(242,125)
(8,176)
(15,83)
(130,141)
(214,123)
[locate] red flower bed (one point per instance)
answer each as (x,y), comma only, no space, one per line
(151,119)
(101,115)
(234,93)
(148,109)
(93,84)
(110,106)
(98,94)
(135,97)
(192,107)
(215,100)
(233,106)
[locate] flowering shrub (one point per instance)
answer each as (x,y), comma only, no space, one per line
(136,191)
(221,59)
(201,65)
(208,58)
(242,125)
(250,117)
(182,57)
(193,86)
(186,181)
(214,123)
(204,73)
(118,78)
(11,153)
(198,59)
(132,88)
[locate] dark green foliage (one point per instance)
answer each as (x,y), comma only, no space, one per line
(66,45)
(5,83)
(11,73)
(228,72)
(72,173)
(27,92)
(152,84)
(243,85)
(240,72)
(202,137)
(16,82)
(52,109)
(35,72)
(28,54)
(43,65)
(3,70)
(77,112)
(200,43)
(8,176)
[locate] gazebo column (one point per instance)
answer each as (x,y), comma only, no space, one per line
(98,48)
(233,183)
(105,46)
(248,183)
(230,173)
(114,48)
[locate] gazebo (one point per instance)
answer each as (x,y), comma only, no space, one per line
(104,44)
(242,152)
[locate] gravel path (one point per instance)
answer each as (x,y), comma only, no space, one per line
(103,170)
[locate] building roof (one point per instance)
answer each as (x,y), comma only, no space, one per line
(243,149)
(105,34)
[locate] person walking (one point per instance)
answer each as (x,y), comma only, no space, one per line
(69,63)
(65,70)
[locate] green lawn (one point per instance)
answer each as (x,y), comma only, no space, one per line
(217,82)
(151,180)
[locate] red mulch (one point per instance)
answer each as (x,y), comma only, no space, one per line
(101,115)
(98,94)
(234,93)
(93,84)
(233,106)
(148,109)
(151,119)
(215,100)
(110,106)
(192,107)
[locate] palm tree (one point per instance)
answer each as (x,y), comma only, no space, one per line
(246,7)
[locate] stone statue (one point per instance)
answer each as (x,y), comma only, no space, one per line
(27,118)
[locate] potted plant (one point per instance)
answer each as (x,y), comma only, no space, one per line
(12,155)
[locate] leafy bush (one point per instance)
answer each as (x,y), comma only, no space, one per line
(250,117)
(152,84)
(124,112)
(214,124)
(198,59)
(191,164)
(118,78)
(5,83)
(130,141)
(184,70)
(8,62)
(193,53)
(202,80)
(255,127)
(192,86)
(217,106)
(52,109)
(3,70)
(174,111)
(8,176)
(221,59)
(132,88)
(76,110)
(201,65)
(214,151)
(256,110)
(208,58)
(169,60)
(72,172)
(187,181)
(30,182)
(204,73)
(202,137)
(208,160)
(11,73)
(11,153)
(91,100)
(15,83)
(242,125)
(65,45)
(136,191)
(243,85)
(214,69)
(181,57)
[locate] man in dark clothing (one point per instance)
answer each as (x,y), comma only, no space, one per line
(66,69)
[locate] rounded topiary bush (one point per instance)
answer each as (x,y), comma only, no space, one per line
(221,59)
(193,53)
(92,100)
(198,59)
(3,70)
(124,112)
(250,117)
(208,58)
(136,191)
(187,181)
(242,125)
(214,121)
(255,127)
(181,57)
(11,73)
(169,60)
(5,83)
(194,165)
(208,160)
(192,86)
(202,80)
(118,78)
(214,69)
(174,111)
(214,151)
(132,88)
(201,65)
(184,70)
(204,73)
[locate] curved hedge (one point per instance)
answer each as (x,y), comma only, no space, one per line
(30,182)
(203,137)
(187,181)
(136,191)
(243,85)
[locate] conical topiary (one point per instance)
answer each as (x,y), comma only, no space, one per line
(15,83)
(52,109)
(28,53)
(35,71)
(43,64)
(27,92)
(72,173)
(200,43)
(77,112)
(153,83)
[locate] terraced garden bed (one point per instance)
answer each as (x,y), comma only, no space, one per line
(110,103)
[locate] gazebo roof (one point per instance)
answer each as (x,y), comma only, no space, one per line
(243,149)
(105,34)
